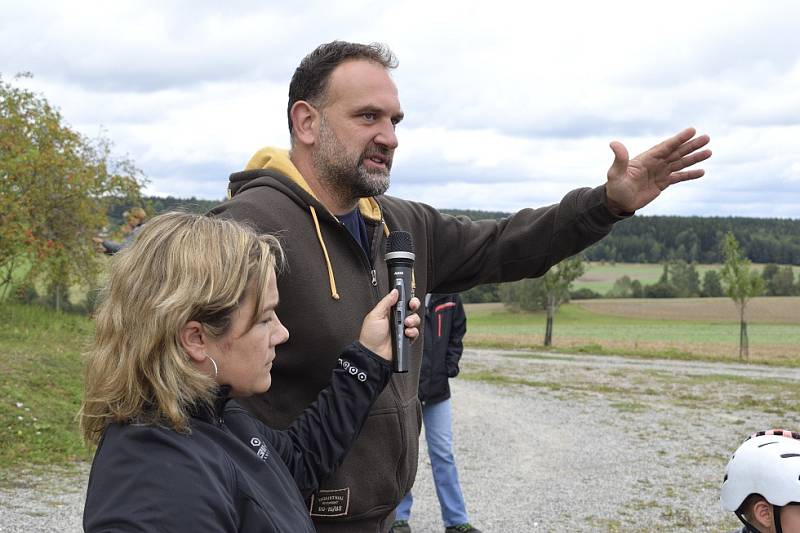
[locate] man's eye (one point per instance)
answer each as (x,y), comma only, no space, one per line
(369,116)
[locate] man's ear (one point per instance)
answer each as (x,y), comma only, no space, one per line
(193,340)
(762,514)
(305,122)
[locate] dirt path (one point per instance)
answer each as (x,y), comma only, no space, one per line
(587,443)
(557,443)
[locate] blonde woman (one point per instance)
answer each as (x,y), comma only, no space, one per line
(175,453)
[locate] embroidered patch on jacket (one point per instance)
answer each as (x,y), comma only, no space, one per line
(330,502)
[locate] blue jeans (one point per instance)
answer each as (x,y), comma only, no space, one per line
(438,424)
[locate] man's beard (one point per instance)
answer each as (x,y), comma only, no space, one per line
(345,176)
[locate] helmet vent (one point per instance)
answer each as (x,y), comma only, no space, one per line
(788,455)
(767,443)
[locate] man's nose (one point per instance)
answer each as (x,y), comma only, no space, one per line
(387,136)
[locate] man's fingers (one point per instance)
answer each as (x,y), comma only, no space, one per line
(384,307)
(621,158)
(677,177)
(664,148)
(689,147)
(689,160)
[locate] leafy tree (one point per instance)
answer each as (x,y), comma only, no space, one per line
(545,293)
(584,293)
(769,272)
(663,288)
(685,279)
(712,287)
(55,187)
(624,288)
(557,282)
(781,283)
(741,284)
(526,294)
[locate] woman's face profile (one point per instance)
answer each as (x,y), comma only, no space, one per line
(245,354)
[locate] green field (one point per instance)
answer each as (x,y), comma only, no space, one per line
(41,385)
(41,364)
(600,277)
(579,329)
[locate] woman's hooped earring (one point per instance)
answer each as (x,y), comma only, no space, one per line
(216,368)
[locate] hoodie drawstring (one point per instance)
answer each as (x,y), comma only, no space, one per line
(331,279)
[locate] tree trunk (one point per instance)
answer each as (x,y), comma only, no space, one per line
(58,298)
(744,345)
(551,311)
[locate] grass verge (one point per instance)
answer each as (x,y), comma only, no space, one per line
(41,385)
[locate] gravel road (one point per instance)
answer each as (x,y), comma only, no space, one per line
(556,443)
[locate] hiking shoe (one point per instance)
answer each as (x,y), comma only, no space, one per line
(462,528)
(400,526)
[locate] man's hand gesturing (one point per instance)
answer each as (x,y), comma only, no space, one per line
(634,183)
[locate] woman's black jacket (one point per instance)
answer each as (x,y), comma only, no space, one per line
(232,473)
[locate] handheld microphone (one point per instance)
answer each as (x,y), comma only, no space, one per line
(400,264)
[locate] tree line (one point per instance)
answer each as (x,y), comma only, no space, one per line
(659,239)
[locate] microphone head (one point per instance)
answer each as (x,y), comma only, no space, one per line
(399,241)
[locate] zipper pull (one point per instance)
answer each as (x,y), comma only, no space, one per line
(374,278)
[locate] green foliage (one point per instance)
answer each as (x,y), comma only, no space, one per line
(655,239)
(625,287)
(740,281)
(559,278)
(584,293)
(524,295)
(663,288)
(779,281)
(41,385)
(679,279)
(552,289)
(712,285)
(685,279)
(55,187)
(741,284)
(547,292)
(482,294)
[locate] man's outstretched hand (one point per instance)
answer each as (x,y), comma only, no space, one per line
(634,183)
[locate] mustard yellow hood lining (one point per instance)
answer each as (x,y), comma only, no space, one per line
(277,159)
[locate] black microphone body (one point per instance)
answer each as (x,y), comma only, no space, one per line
(400,264)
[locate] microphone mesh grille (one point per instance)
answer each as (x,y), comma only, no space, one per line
(399,241)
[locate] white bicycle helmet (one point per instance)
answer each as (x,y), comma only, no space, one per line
(768,463)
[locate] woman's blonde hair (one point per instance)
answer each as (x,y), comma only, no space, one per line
(181,267)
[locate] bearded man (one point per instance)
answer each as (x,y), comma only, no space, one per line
(326,197)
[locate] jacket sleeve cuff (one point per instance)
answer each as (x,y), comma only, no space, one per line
(365,366)
(599,216)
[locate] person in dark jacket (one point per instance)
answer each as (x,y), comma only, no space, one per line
(326,196)
(175,451)
(445,327)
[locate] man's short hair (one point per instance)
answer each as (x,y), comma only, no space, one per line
(310,80)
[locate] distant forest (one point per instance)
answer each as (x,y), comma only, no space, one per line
(656,239)
(640,239)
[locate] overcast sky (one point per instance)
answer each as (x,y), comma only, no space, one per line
(508,104)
